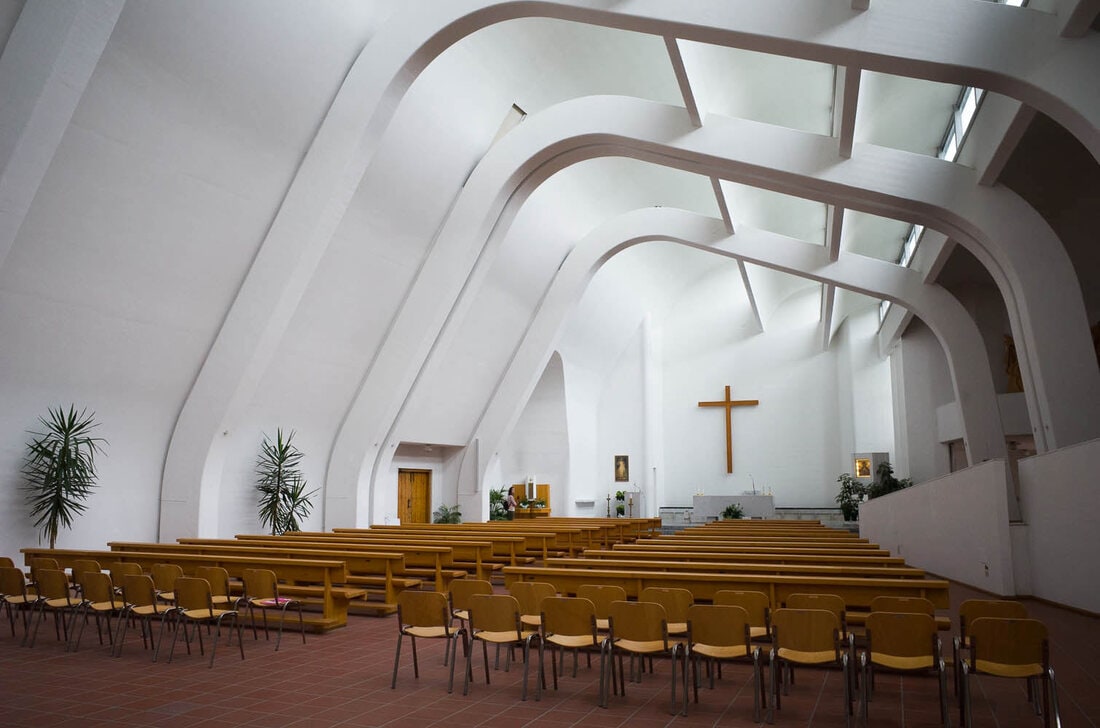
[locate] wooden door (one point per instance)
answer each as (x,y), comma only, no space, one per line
(414,496)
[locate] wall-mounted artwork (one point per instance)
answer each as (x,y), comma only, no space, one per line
(863,467)
(622,469)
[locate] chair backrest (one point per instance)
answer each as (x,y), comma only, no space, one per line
(718,625)
(756,604)
(98,588)
(901,635)
(573,616)
(601,595)
(497,613)
(260,584)
(806,630)
(165,575)
(973,609)
(1009,647)
(6,562)
(463,589)
(193,594)
(138,590)
(530,594)
(829,602)
(119,569)
(422,609)
(639,621)
(676,601)
(911,605)
(81,566)
(217,576)
(12,582)
(42,562)
(53,584)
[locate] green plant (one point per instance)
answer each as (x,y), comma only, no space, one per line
(851,495)
(620,509)
(497,510)
(733,510)
(447,514)
(284,504)
(60,469)
(620,495)
(886,482)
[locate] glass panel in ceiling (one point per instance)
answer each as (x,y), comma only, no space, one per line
(904,113)
(787,215)
(873,236)
(789,92)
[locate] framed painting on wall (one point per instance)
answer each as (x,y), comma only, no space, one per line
(622,469)
(863,467)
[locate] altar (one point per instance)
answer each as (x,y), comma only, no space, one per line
(710,507)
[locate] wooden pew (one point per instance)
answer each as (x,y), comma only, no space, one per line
(472,556)
(657,545)
(376,571)
(736,555)
(505,549)
(535,545)
(316,580)
(740,567)
(857,592)
(681,541)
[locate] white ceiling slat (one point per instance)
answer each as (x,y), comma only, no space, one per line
(751,295)
(828,303)
(991,170)
(723,205)
(683,80)
(834,228)
(861,4)
(848,102)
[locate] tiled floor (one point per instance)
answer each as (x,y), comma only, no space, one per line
(343,679)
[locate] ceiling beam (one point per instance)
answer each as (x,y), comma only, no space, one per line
(1006,145)
(682,79)
(846,93)
(834,226)
(752,296)
(861,4)
(828,303)
(723,204)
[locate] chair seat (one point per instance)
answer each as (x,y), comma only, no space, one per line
(603,625)
(205,613)
(677,628)
(270,602)
(641,646)
(1002,670)
(897,662)
(807,658)
(719,652)
(533,620)
(571,641)
(505,636)
(461,614)
(427,632)
(755,632)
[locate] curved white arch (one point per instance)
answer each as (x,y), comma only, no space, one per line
(962,342)
(882,38)
(993,223)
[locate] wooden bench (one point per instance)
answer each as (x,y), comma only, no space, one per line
(757,555)
(376,571)
(734,567)
(536,544)
(317,579)
(424,562)
(726,548)
(472,556)
(857,592)
(688,541)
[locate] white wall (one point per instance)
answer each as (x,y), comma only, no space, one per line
(582,389)
(1062,509)
(621,417)
(921,384)
(955,526)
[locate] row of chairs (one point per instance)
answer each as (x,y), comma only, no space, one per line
(189,602)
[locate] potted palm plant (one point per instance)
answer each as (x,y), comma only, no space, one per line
(59,469)
(284,502)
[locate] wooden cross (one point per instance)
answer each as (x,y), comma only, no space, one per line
(729,404)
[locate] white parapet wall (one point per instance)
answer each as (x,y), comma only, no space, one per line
(955,526)
(1060,501)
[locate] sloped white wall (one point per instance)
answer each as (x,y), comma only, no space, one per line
(921,383)
(955,526)
(1061,508)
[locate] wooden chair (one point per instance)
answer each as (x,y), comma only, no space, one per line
(1010,648)
(496,619)
(972,609)
(906,605)
(426,615)
(567,623)
(219,585)
(641,629)
(81,567)
(602,595)
(6,562)
(807,637)
(139,599)
(676,602)
(530,594)
(836,605)
(100,600)
(722,633)
(261,591)
(460,593)
(118,571)
(756,604)
(195,606)
(164,579)
(902,642)
(54,596)
(14,595)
